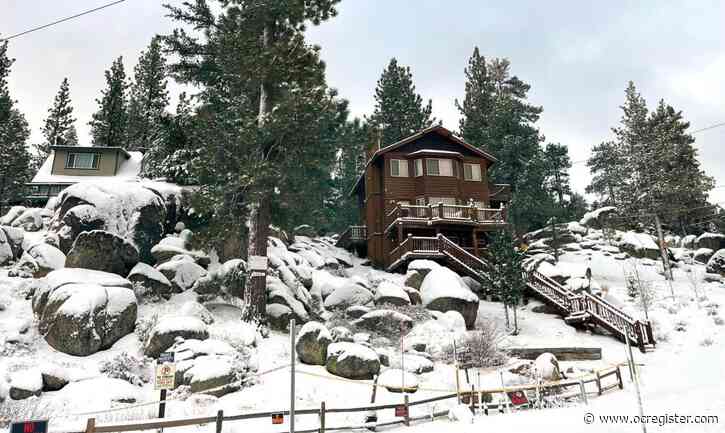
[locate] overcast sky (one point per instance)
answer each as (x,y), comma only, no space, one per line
(577,56)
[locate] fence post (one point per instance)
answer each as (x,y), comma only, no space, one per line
(219,421)
(91,425)
(322,417)
(599,383)
(583,392)
(430,211)
(619,378)
(440,210)
(473,400)
(407,410)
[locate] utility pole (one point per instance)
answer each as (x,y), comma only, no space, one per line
(292,376)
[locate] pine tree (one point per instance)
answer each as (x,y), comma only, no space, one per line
(109,123)
(148,97)
(264,94)
(607,165)
(557,162)
(495,115)
(352,141)
(505,277)
(59,128)
(14,132)
(399,110)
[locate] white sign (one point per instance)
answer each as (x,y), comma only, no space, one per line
(258,263)
(165,374)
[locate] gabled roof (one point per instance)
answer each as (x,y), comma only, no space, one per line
(438,129)
(129,168)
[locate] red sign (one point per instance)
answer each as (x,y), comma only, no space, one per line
(517,398)
(277,418)
(401,411)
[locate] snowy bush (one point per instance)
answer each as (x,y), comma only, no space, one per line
(144,327)
(483,346)
(707,341)
(31,408)
(718,320)
(126,367)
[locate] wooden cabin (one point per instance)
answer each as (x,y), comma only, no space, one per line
(427,184)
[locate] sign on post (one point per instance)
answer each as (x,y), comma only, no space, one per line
(277,418)
(517,398)
(257,263)
(401,411)
(36,426)
(165,371)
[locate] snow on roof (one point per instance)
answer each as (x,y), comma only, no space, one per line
(442,152)
(128,169)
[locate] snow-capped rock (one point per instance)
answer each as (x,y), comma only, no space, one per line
(412,363)
(83,318)
(546,367)
(348,296)
(182,272)
(417,270)
(41,259)
(150,280)
(639,245)
(11,215)
(164,334)
(31,220)
(443,290)
(702,255)
(6,251)
(352,361)
(716,264)
(596,218)
(388,292)
(25,384)
(713,241)
(397,380)
(54,376)
(384,321)
(312,343)
(102,251)
(195,309)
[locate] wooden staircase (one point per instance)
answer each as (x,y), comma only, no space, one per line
(577,309)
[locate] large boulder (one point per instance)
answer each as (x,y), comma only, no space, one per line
(11,215)
(14,237)
(305,230)
(688,242)
(279,293)
(25,384)
(352,361)
(102,251)
(171,246)
(417,270)
(388,292)
(31,220)
(347,296)
(384,321)
(55,377)
(169,328)
(639,245)
(443,290)
(82,312)
(716,264)
(312,343)
(213,375)
(127,209)
(546,367)
(41,259)
(182,272)
(6,251)
(149,280)
(598,217)
(397,380)
(703,255)
(713,241)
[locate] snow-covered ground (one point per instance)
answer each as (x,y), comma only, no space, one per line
(681,376)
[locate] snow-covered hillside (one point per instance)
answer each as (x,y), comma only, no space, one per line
(185,303)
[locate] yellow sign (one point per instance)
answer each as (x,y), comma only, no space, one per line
(165,374)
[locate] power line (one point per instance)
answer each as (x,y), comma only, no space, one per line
(62,20)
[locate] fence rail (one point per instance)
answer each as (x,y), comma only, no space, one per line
(446,212)
(474,397)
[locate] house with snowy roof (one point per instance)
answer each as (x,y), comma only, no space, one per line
(68,165)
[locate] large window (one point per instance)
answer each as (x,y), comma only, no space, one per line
(418,168)
(399,168)
(439,167)
(84,160)
(472,172)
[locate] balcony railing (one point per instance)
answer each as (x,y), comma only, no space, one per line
(446,212)
(353,234)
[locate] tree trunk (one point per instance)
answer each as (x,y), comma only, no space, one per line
(506,313)
(516,321)
(255,292)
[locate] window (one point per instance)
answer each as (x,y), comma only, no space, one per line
(439,167)
(420,201)
(479,204)
(472,172)
(399,168)
(403,202)
(418,168)
(445,200)
(87,161)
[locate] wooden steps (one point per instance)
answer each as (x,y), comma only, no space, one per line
(576,309)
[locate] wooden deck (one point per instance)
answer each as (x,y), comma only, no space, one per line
(440,214)
(576,309)
(353,235)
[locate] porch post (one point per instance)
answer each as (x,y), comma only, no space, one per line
(400,232)
(475,243)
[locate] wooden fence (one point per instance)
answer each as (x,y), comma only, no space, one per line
(473,397)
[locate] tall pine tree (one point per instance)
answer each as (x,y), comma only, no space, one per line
(265,107)
(496,115)
(148,98)
(353,139)
(14,132)
(399,110)
(59,127)
(109,123)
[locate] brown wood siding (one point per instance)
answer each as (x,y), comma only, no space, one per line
(373,213)
(106,164)
(476,190)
